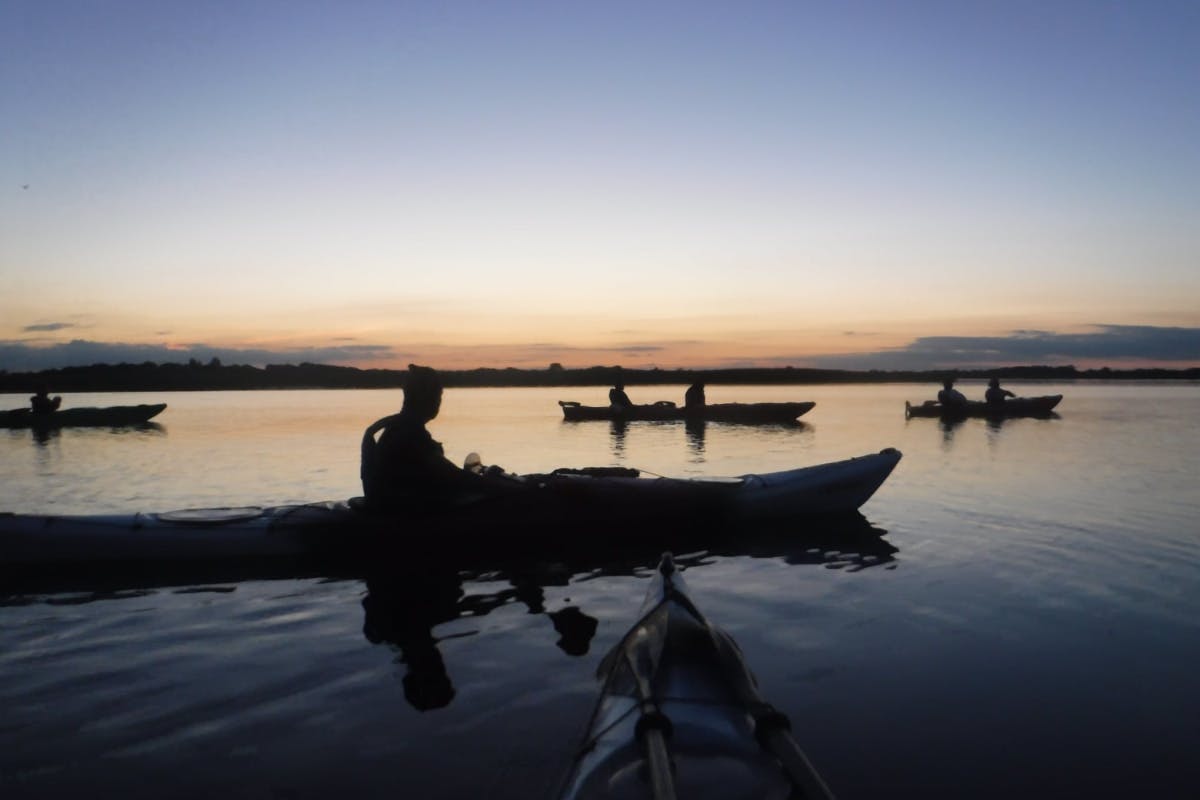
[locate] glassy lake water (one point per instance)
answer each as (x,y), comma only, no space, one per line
(1023,622)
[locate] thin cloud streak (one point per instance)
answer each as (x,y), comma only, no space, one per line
(47,327)
(1112,344)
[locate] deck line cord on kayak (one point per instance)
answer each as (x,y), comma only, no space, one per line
(651,733)
(288,511)
(591,740)
(610,670)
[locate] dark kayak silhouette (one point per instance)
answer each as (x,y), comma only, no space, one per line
(1012,407)
(111,416)
(745,413)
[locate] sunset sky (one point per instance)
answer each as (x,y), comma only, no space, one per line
(676,184)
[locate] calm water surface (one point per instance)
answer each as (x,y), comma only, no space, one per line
(1024,619)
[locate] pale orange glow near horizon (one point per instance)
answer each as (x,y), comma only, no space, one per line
(451,338)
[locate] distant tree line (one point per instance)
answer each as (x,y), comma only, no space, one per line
(195,376)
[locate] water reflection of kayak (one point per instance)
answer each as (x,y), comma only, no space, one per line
(111,416)
(532,512)
(1012,407)
(746,413)
(680,716)
(844,541)
(408,599)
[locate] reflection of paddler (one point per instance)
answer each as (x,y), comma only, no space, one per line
(403,612)
(695,428)
(575,628)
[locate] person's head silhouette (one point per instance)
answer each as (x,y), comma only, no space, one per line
(422,392)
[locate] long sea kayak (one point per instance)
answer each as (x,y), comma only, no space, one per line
(1012,407)
(514,512)
(110,416)
(680,715)
(744,413)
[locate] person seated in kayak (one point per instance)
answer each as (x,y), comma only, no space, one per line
(618,399)
(694,396)
(43,403)
(950,397)
(406,466)
(995,395)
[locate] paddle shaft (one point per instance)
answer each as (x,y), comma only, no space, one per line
(657,759)
(781,745)
(773,727)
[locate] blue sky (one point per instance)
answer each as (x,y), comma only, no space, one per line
(678,184)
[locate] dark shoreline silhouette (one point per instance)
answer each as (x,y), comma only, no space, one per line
(196,376)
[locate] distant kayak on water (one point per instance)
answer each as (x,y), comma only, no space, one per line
(1013,407)
(110,416)
(744,413)
(680,715)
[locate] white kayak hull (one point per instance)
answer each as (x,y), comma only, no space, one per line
(540,506)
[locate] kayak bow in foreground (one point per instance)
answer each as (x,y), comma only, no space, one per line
(680,716)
